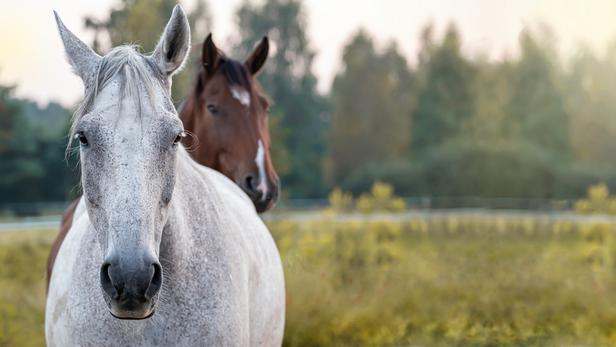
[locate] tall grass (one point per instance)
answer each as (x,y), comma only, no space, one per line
(22,287)
(476,280)
(471,281)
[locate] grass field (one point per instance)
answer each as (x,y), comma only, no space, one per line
(477,280)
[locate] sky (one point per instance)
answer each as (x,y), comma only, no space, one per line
(32,57)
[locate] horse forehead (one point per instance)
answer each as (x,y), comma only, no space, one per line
(116,105)
(240,94)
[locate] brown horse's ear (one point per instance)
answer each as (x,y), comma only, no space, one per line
(257,58)
(210,57)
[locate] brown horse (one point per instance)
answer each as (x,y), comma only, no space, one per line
(228,112)
(226,117)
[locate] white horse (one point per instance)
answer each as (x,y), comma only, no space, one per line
(163,251)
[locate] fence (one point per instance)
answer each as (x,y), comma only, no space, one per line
(8,210)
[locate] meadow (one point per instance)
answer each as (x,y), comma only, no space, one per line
(477,279)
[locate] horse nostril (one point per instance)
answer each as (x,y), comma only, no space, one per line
(107,282)
(155,282)
(252,187)
(250,183)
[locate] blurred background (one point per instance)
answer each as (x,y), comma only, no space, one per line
(445,165)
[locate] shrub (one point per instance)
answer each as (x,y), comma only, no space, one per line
(598,200)
(380,199)
(340,201)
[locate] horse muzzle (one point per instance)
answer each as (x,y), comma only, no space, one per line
(263,194)
(131,287)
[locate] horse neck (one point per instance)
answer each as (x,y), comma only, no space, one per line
(194,201)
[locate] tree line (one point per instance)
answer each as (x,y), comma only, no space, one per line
(532,125)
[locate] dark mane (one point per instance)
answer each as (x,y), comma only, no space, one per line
(235,72)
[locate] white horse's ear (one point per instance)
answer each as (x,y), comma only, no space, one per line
(83,60)
(172,49)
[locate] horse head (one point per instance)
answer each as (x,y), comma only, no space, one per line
(228,115)
(129,130)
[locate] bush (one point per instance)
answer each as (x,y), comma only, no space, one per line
(490,170)
(406,177)
(381,198)
(598,200)
(340,201)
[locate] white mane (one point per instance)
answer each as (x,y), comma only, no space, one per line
(135,70)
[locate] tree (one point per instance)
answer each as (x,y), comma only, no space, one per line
(19,165)
(536,110)
(589,95)
(492,84)
(372,104)
(446,99)
(10,110)
(32,151)
(141,21)
(298,110)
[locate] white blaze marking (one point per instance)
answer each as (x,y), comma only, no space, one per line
(241,95)
(260,160)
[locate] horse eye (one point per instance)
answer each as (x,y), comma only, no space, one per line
(179,138)
(82,138)
(213,110)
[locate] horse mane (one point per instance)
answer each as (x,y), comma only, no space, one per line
(235,72)
(135,71)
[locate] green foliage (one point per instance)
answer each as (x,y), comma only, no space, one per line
(589,87)
(406,177)
(300,112)
(490,168)
(536,110)
(381,198)
(32,147)
(478,128)
(371,108)
(598,200)
(340,201)
(446,98)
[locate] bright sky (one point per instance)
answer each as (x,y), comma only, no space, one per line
(32,57)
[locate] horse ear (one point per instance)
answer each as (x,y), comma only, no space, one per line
(83,60)
(210,56)
(172,48)
(257,58)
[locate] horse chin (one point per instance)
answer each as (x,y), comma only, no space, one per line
(263,206)
(139,312)
(131,316)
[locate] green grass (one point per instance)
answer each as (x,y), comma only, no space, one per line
(462,281)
